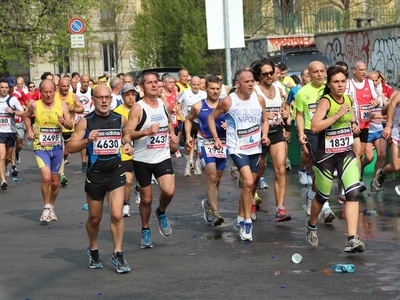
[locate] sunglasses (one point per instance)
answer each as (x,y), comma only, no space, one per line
(265,74)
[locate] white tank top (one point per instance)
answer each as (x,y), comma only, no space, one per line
(154,148)
(396,124)
(86,100)
(272,105)
(243,132)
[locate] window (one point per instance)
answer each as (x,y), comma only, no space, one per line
(109,55)
(106,14)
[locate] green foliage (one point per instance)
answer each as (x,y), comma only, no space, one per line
(36,28)
(169,33)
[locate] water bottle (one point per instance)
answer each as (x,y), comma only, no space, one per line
(344,268)
(85,206)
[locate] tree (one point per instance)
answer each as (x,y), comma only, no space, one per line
(36,28)
(169,33)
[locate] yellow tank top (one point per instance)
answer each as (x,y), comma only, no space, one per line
(181,88)
(47,127)
(69,100)
(123,112)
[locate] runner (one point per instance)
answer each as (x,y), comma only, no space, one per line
(334,120)
(51,116)
(100,132)
(213,161)
(247,128)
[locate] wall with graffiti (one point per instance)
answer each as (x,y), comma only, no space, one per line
(378,47)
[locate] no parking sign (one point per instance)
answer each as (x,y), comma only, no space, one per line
(76,26)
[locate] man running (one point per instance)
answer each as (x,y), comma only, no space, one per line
(100,132)
(51,116)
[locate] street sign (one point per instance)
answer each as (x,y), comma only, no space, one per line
(77,41)
(76,26)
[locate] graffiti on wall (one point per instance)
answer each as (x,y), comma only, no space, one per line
(355,47)
(277,43)
(242,57)
(385,56)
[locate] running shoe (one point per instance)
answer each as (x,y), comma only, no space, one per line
(362,187)
(178,153)
(119,262)
(262,183)
(187,172)
(246,232)
(14,171)
(4,185)
(7,172)
(94,259)
(354,245)
(126,211)
(328,215)
(153,180)
(234,173)
(238,226)
(163,224)
(309,179)
(66,162)
(258,201)
(217,219)
(397,189)
(197,168)
(378,180)
(84,167)
(191,166)
(63,180)
(137,196)
(253,212)
(45,217)
(288,165)
(145,239)
(52,215)
(303,177)
(308,203)
(17,158)
(239,181)
(281,215)
(208,212)
(311,234)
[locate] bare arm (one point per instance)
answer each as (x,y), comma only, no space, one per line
(390,110)
(30,111)
(193,113)
(65,119)
(78,140)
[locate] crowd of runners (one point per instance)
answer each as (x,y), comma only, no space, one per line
(126,133)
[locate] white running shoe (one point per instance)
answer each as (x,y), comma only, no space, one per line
(303,177)
(126,211)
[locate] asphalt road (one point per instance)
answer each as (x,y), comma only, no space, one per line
(198,261)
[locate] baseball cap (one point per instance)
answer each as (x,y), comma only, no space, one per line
(128,87)
(11,81)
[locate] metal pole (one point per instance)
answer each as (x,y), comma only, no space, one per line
(227,44)
(79,62)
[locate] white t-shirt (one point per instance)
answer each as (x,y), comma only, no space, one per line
(7,121)
(187,98)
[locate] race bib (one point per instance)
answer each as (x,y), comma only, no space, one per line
(50,136)
(378,111)
(365,113)
(338,140)
(312,108)
(211,151)
(174,119)
(159,140)
(5,120)
(277,118)
(108,142)
(249,138)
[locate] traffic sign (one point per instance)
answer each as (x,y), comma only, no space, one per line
(76,26)
(77,41)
